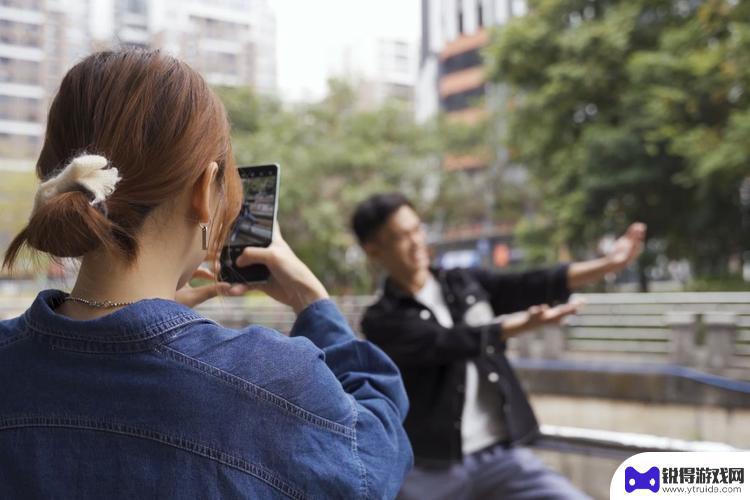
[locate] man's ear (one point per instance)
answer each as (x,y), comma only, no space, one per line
(203,190)
(372,250)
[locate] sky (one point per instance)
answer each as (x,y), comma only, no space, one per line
(312,37)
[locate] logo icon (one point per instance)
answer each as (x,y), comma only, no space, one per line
(648,480)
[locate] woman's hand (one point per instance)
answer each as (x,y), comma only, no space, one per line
(192,296)
(291,281)
(536,316)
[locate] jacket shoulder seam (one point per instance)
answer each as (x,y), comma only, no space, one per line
(19,333)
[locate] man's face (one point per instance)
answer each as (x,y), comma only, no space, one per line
(400,245)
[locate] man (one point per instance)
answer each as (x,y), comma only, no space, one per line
(469,417)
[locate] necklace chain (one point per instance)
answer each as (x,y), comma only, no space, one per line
(101,304)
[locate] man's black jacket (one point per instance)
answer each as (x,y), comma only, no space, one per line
(432,359)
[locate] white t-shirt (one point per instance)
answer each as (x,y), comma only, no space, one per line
(481,424)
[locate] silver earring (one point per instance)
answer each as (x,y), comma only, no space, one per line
(204,236)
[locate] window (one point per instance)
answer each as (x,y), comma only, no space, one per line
(18,33)
(22,4)
(480,14)
(400,91)
(218,62)
(464,60)
(18,71)
(19,146)
(462,100)
(460,19)
(136,6)
(20,108)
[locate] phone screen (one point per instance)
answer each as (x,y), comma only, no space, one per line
(254,224)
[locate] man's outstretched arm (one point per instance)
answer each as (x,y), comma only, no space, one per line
(626,249)
(511,292)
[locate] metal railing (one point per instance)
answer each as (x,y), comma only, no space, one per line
(707,331)
(590,457)
(618,444)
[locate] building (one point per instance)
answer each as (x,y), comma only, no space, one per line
(231,42)
(383,69)
(452,81)
(67,38)
(397,69)
(453,34)
(22,77)
(130,22)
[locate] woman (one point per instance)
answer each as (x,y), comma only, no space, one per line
(119,389)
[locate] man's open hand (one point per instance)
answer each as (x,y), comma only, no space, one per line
(627,247)
(536,316)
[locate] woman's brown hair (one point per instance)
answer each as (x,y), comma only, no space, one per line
(156,120)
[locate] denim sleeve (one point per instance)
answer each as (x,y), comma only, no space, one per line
(372,379)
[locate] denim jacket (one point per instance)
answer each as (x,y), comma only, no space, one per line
(156,401)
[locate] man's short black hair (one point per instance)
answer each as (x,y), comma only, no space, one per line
(373,213)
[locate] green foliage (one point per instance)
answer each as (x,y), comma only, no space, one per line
(731,284)
(633,110)
(534,233)
(17,191)
(332,155)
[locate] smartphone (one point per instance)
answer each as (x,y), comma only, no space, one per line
(254,225)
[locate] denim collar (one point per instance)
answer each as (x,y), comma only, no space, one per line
(136,327)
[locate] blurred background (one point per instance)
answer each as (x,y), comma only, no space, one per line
(525,131)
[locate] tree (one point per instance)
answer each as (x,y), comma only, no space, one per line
(636,109)
(332,155)
(16,199)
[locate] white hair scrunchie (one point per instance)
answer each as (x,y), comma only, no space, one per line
(84,171)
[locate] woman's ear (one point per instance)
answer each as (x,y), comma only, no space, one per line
(203,191)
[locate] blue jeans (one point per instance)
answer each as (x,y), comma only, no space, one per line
(493,473)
